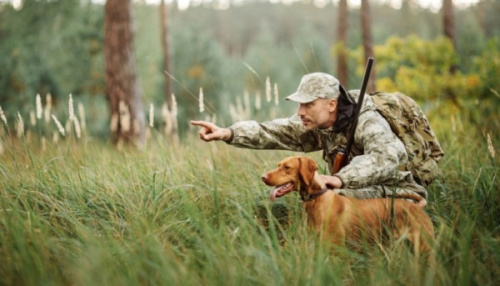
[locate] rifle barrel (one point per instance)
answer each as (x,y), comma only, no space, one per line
(361,98)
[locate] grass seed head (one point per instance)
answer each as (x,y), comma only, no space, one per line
(71,109)
(491,149)
(81,113)
(113,123)
(19,126)
(151,115)
(276,94)
(174,106)
(2,115)
(257,100)
(78,129)
(39,109)
(201,102)
(48,107)
(59,125)
(268,89)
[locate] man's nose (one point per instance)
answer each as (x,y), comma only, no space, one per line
(300,111)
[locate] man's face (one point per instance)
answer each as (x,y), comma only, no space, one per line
(320,113)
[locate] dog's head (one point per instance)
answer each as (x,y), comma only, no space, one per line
(293,174)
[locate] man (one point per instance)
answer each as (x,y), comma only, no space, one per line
(322,123)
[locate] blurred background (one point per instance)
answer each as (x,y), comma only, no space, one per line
(245,56)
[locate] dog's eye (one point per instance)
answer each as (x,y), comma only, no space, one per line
(286,167)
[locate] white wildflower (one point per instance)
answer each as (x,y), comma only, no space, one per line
(164,111)
(276,95)
(490,146)
(81,113)
(48,107)
(19,126)
(257,100)
(167,117)
(39,109)
(174,113)
(113,124)
(78,129)
(201,103)
(268,89)
(2,115)
(59,125)
(174,106)
(71,109)
(151,115)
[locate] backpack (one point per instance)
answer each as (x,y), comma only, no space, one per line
(410,124)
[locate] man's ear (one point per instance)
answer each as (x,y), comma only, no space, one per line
(307,169)
(332,105)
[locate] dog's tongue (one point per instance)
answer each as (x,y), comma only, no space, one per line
(280,191)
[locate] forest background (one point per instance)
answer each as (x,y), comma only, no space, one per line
(56,47)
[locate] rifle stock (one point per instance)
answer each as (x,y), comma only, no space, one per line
(340,161)
(342,156)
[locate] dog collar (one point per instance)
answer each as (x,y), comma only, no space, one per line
(310,197)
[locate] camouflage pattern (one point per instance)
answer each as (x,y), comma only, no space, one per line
(378,157)
(314,86)
(410,124)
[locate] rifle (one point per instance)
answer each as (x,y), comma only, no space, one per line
(341,158)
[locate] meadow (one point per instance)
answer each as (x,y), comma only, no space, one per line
(83,212)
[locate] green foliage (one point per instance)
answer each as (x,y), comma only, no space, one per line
(421,69)
(486,65)
(49,47)
(199,70)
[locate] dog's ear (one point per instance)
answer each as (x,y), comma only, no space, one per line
(307,169)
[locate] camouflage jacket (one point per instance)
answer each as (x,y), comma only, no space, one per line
(378,156)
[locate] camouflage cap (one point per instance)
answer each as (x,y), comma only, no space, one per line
(314,86)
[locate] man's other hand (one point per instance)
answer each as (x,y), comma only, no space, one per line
(332,182)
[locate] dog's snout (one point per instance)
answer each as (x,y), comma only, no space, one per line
(264,177)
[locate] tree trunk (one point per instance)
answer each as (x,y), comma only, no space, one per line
(166,52)
(342,71)
(122,88)
(449,27)
(171,122)
(367,41)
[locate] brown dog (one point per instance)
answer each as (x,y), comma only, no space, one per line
(342,219)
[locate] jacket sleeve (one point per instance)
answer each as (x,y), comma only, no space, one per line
(382,154)
(279,134)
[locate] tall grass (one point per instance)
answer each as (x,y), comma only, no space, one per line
(197,213)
